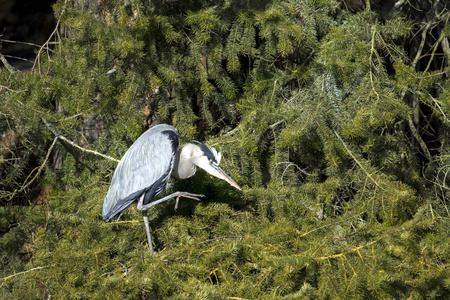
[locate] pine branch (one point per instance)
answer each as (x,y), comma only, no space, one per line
(20,42)
(398,4)
(55,31)
(356,160)
(222,237)
(372,52)
(416,135)
(59,136)
(24,272)
(24,186)
(440,108)
(7,88)
(318,228)
(443,41)
(27,184)
(233,131)
(411,124)
(446,48)
(356,249)
(422,44)
(6,64)
(289,164)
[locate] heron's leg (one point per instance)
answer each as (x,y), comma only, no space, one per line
(143,207)
(147,228)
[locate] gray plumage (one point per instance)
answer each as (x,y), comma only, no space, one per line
(144,170)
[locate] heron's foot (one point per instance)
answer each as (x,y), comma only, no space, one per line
(187,195)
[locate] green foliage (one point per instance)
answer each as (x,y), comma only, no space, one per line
(335,122)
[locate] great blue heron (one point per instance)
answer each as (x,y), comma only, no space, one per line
(145,168)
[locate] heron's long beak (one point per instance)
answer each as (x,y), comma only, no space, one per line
(219,173)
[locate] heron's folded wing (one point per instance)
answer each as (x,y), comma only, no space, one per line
(148,162)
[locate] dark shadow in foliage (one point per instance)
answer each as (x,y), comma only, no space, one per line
(12,240)
(180,7)
(201,183)
(308,155)
(264,144)
(19,163)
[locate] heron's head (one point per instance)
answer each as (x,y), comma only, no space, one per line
(209,159)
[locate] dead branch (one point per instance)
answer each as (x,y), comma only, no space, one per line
(20,273)
(45,45)
(356,160)
(24,186)
(6,64)
(59,136)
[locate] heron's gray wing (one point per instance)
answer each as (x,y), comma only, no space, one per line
(145,168)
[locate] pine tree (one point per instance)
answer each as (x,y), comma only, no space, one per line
(332,115)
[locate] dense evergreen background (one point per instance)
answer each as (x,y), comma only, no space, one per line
(332,115)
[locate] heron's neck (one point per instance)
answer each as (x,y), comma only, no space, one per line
(184,165)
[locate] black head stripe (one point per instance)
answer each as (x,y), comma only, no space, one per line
(208,153)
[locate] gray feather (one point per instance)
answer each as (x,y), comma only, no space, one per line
(145,168)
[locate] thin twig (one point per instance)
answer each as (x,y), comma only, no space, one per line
(14,91)
(411,124)
(441,39)
(356,160)
(233,131)
(6,64)
(20,273)
(298,168)
(55,31)
(416,134)
(422,44)
(318,228)
(19,58)
(19,42)
(356,249)
(59,136)
(272,126)
(372,52)
(122,222)
(446,47)
(40,168)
